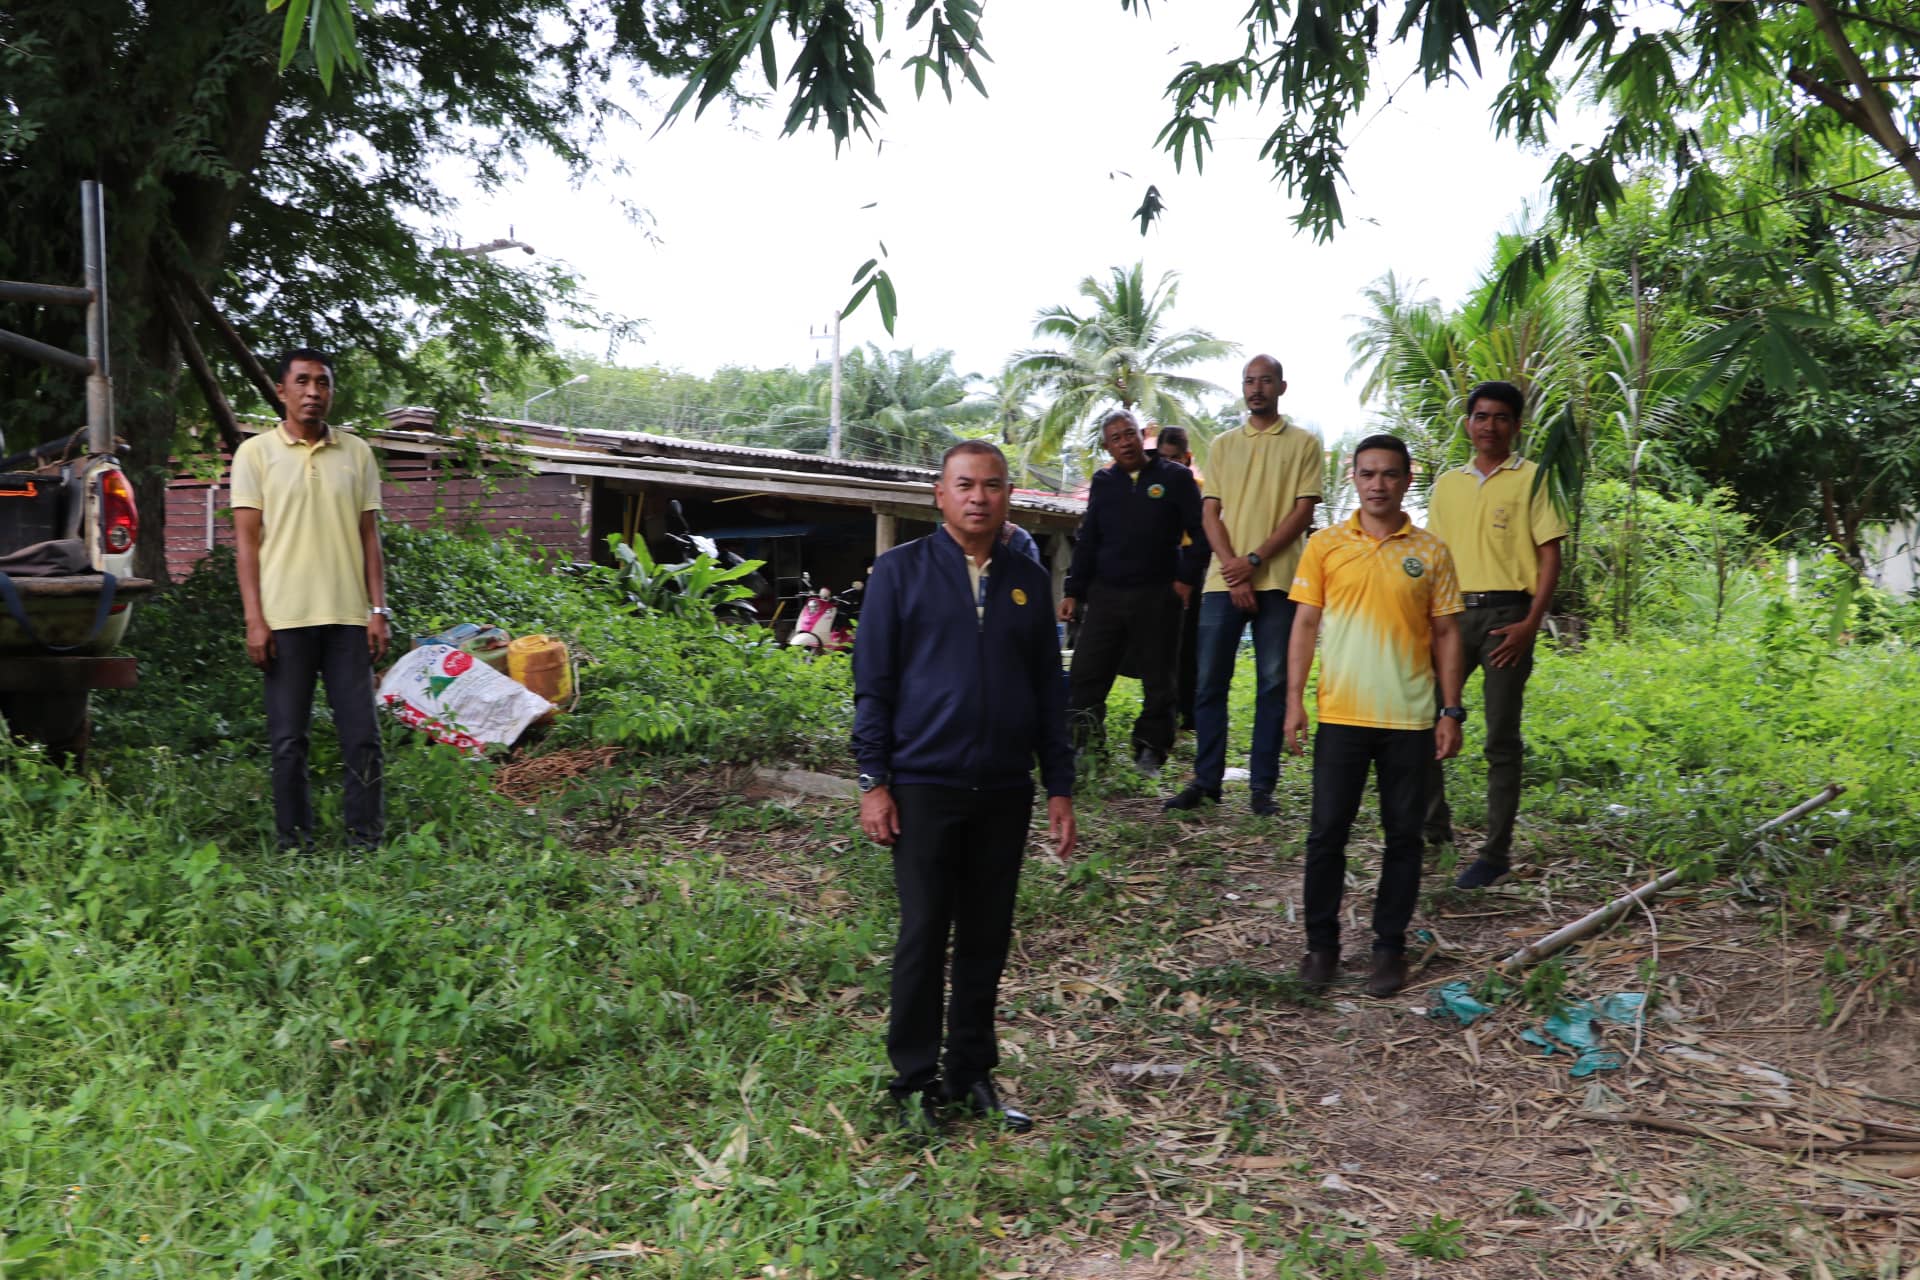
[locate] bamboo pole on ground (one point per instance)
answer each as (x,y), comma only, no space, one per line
(1593,921)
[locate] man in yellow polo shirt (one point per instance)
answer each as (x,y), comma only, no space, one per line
(1382,590)
(1262,483)
(306,503)
(1505,537)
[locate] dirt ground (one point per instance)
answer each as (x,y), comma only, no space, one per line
(1806,1156)
(1749,1132)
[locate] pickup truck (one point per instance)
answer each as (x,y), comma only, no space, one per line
(68,525)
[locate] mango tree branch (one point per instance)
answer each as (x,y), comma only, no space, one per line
(217,406)
(1874,206)
(235,344)
(1872,100)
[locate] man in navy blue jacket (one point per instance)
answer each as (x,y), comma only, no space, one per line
(1133,574)
(957,691)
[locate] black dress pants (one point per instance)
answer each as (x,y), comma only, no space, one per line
(956,867)
(1189,681)
(1141,624)
(338,655)
(1342,755)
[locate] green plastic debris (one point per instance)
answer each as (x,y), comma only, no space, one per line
(1623,1006)
(1455,1000)
(1547,1047)
(1573,1028)
(1596,1060)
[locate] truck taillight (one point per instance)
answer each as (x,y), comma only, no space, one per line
(119,519)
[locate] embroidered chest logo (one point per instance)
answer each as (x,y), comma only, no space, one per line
(1019,596)
(1156,491)
(1413,566)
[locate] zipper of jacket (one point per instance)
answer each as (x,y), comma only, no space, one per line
(980,667)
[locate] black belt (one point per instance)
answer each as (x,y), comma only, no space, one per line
(1494,599)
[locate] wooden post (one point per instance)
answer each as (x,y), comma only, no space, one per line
(1059,557)
(885,531)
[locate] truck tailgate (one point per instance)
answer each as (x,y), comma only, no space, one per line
(62,609)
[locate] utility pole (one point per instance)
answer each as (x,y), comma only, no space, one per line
(833,410)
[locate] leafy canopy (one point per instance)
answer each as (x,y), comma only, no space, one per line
(1678,80)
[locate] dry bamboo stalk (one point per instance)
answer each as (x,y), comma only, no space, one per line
(1590,923)
(1766,1142)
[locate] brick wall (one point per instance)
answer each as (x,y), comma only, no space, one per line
(421,492)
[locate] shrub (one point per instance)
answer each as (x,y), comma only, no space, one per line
(659,681)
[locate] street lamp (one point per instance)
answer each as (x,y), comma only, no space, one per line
(527,408)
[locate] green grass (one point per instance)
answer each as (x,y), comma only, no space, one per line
(509,1043)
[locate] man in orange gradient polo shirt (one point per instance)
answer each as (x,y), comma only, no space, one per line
(1379,594)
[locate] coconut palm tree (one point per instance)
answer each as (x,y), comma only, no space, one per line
(1121,351)
(895,406)
(1604,380)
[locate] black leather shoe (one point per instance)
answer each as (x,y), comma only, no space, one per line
(1191,796)
(982,1099)
(1148,762)
(1480,874)
(1264,805)
(915,1115)
(1317,969)
(1389,973)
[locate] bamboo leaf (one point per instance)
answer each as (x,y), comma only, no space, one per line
(294,28)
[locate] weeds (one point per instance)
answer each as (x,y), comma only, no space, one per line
(496,1047)
(1441,1238)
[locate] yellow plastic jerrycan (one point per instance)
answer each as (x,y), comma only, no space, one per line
(541,664)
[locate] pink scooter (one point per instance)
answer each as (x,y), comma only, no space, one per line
(825,624)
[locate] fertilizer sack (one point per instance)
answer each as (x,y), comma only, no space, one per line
(451,697)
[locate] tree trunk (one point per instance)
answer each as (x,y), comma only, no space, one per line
(185,223)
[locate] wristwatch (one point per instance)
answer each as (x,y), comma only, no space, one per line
(380,611)
(868,781)
(1455,713)
(1253,558)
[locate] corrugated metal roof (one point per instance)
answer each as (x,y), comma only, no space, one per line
(640,444)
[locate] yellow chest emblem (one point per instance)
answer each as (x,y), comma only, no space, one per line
(1019,596)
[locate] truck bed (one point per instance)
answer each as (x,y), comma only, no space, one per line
(62,611)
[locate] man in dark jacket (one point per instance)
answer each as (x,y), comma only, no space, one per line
(1171,444)
(1133,574)
(957,690)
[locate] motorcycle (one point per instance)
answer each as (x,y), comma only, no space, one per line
(690,546)
(825,624)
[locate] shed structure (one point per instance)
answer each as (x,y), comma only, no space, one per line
(826,518)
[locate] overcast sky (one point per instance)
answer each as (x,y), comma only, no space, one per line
(994,208)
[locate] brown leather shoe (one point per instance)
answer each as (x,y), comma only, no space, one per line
(1389,973)
(1317,969)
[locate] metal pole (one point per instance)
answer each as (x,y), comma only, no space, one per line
(59,357)
(61,295)
(833,412)
(93,236)
(527,408)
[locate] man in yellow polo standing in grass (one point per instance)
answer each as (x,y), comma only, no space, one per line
(306,507)
(1378,593)
(1504,533)
(1264,480)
